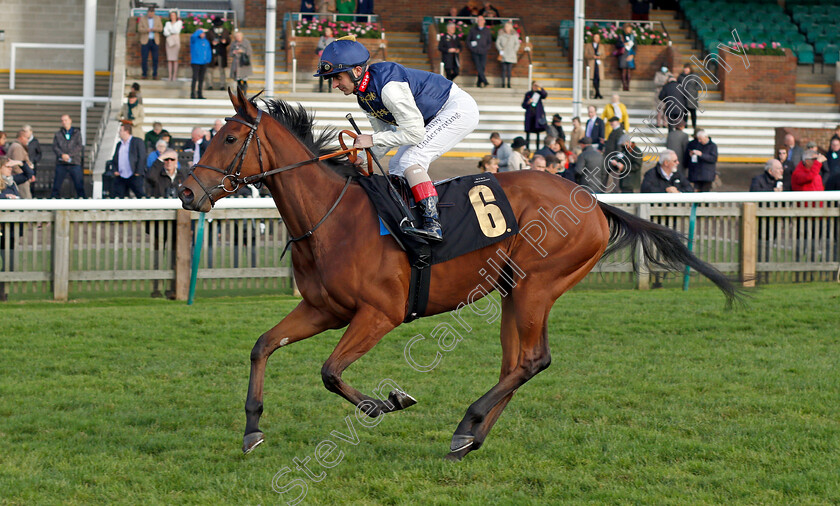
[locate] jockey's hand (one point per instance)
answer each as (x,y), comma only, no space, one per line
(363,141)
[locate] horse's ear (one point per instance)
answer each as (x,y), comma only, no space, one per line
(234,99)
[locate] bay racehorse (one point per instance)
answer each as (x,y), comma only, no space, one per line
(350,276)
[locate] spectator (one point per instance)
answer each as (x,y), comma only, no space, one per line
(539,164)
(326,6)
(812,146)
(576,134)
(489,163)
(200,56)
(33,147)
(172,32)
(129,164)
(555,128)
(691,86)
(68,147)
(507,42)
(594,128)
(196,145)
(453,15)
(561,166)
(641,9)
(787,166)
(164,177)
(241,54)
(550,148)
(479,40)
(677,141)
(345,7)
(794,150)
(8,187)
(491,13)
(217,125)
(470,9)
(132,112)
(832,165)
(627,54)
(673,103)
(219,38)
(24,175)
(135,87)
(153,136)
(833,183)
(2,143)
(153,156)
(806,176)
(628,165)
(150,27)
(364,7)
(617,109)
(592,55)
(589,168)
(659,81)
(307,6)
(501,151)
(665,176)
(323,42)
(534,112)
(518,160)
(702,155)
(450,52)
(771,179)
(616,133)
(836,133)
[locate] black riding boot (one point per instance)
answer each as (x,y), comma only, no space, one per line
(431,230)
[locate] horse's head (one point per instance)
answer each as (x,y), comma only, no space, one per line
(234,154)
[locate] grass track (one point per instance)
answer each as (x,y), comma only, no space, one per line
(658,397)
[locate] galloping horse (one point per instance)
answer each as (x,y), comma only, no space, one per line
(350,276)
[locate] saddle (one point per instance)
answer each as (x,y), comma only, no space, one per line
(474,213)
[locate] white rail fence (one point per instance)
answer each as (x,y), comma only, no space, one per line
(70,248)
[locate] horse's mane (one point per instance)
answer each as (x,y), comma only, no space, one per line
(299,121)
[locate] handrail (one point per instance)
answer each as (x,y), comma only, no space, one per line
(185,13)
(33,45)
(268,203)
(443,19)
(51,98)
(298,16)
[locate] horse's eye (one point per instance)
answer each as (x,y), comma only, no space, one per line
(230,139)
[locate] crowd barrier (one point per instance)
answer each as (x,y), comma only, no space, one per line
(69,248)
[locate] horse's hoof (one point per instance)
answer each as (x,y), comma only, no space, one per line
(251,441)
(401,400)
(454,456)
(461,442)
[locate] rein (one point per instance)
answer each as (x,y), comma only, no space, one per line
(232,174)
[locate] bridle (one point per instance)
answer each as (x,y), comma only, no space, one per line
(233,171)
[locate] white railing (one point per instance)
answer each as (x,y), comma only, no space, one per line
(34,45)
(85,102)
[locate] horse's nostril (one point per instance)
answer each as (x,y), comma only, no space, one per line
(186,195)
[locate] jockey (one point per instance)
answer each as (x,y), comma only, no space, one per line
(422,114)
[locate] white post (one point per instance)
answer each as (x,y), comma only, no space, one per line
(89,75)
(587,82)
(441,69)
(270,26)
(2,113)
(578,57)
(13,67)
(294,74)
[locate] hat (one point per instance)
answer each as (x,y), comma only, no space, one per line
(169,153)
(556,117)
(811,144)
(518,142)
(585,141)
(218,22)
(340,56)
(614,118)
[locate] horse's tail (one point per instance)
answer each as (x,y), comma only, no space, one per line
(627,230)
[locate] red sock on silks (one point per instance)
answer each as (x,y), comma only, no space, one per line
(423,190)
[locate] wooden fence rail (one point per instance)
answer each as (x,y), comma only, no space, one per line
(63,252)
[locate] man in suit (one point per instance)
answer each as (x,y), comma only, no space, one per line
(677,141)
(149,27)
(593,53)
(666,177)
(794,151)
(616,133)
(479,40)
(197,144)
(594,128)
(129,164)
(589,169)
(673,103)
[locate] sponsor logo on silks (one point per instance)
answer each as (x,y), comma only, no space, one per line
(365,82)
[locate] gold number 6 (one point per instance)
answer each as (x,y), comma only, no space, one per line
(490,217)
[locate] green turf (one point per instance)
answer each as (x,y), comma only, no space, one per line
(659,397)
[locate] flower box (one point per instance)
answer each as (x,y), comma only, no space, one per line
(768,79)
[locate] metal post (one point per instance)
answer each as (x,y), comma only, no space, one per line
(587,82)
(691,221)
(441,69)
(199,240)
(578,57)
(2,113)
(294,74)
(13,67)
(83,120)
(89,76)
(270,36)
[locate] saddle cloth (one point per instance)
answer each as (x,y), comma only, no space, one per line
(474,213)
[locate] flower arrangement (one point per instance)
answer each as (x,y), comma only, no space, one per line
(610,34)
(316,27)
(462,28)
(759,48)
(205,21)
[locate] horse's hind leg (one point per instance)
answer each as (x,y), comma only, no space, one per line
(304,321)
(365,330)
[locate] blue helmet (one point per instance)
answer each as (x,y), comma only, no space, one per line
(341,56)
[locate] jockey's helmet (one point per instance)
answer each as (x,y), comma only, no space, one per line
(342,55)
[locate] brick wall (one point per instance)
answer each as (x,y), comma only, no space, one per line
(541,17)
(769,79)
(822,136)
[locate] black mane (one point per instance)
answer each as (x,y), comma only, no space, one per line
(298,121)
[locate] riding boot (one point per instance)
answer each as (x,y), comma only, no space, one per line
(431,230)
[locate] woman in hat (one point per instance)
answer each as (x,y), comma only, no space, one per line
(534,112)
(555,128)
(518,159)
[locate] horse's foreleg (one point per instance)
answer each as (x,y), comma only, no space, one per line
(366,328)
(304,321)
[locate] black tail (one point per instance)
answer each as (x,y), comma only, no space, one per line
(627,230)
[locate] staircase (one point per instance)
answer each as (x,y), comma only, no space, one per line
(406,49)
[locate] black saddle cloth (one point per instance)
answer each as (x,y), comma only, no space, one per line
(474,213)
